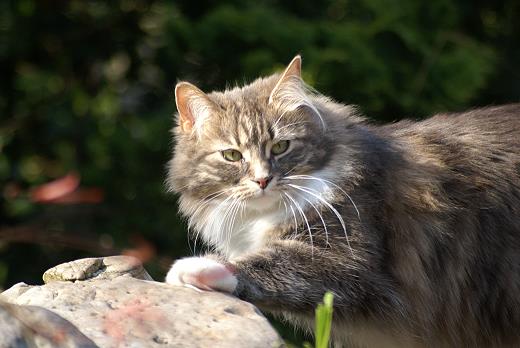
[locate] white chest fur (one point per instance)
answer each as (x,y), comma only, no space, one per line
(233,231)
(248,233)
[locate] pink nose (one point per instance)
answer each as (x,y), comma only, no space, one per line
(263,182)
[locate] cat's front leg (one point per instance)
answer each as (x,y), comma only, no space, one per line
(286,275)
(203,273)
(294,276)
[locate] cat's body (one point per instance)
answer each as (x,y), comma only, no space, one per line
(414,226)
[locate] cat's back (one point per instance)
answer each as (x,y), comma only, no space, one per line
(493,125)
(480,142)
(484,141)
(488,125)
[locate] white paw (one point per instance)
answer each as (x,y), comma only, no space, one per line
(203,273)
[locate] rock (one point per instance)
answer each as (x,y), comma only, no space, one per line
(98,268)
(30,326)
(114,303)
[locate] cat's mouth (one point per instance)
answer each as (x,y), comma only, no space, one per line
(263,199)
(259,193)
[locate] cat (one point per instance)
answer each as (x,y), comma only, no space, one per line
(414,226)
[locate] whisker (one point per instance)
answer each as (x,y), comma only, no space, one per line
(199,209)
(321,218)
(234,210)
(206,202)
(305,219)
(282,199)
(217,232)
(240,202)
(290,170)
(224,224)
(310,177)
(338,215)
(291,124)
(278,120)
(294,215)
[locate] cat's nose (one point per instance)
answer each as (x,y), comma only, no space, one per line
(263,182)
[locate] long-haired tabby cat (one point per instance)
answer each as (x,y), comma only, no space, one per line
(414,226)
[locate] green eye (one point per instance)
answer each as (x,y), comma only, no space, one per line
(280,147)
(231,155)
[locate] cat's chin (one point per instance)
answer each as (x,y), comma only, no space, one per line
(265,201)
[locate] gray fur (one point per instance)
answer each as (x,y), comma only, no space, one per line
(432,252)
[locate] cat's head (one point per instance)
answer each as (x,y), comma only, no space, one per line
(245,143)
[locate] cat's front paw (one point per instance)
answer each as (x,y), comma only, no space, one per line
(203,273)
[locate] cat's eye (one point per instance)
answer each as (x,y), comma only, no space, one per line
(231,155)
(280,147)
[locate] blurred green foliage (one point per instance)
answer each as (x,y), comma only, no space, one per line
(86,87)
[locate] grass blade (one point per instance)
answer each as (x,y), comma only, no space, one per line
(324,321)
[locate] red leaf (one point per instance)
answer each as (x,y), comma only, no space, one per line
(55,189)
(66,190)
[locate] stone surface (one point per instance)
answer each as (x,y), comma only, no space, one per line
(113,304)
(97,268)
(31,326)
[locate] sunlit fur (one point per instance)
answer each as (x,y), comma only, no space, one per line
(414,226)
(222,202)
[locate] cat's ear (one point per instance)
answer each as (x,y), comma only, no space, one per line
(293,71)
(193,105)
(291,93)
